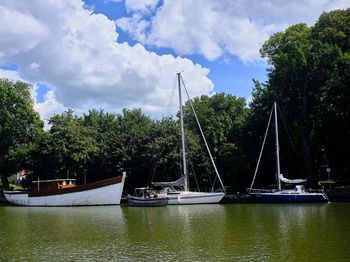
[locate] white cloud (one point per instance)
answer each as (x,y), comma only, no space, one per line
(10,74)
(144,6)
(215,28)
(75,53)
(48,107)
(17,25)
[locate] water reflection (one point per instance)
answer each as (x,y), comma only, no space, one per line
(47,232)
(281,231)
(174,231)
(177,233)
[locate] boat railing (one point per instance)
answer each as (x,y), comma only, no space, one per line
(313,190)
(257,191)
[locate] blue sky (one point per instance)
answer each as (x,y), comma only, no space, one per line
(113,54)
(228,74)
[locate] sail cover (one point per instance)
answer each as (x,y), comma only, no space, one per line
(291,181)
(179,182)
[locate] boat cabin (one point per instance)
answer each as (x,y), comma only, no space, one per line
(299,189)
(145,192)
(49,185)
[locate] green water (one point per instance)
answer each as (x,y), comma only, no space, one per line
(237,232)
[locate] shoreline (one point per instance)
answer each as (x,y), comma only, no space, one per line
(334,196)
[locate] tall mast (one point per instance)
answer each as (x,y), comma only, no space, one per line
(184,164)
(277,148)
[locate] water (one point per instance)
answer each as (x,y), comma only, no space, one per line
(237,232)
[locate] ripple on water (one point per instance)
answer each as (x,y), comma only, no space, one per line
(177,233)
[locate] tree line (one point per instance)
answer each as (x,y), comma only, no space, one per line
(308,76)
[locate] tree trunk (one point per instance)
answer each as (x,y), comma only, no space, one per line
(4,179)
(5,182)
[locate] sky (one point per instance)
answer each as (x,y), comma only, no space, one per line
(115,54)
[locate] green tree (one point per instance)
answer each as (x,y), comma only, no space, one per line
(71,143)
(222,118)
(136,129)
(107,161)
(19,126)
(309,78)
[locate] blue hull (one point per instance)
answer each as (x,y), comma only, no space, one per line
(289,198)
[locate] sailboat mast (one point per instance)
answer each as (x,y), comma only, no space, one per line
(184,164)
(277,148)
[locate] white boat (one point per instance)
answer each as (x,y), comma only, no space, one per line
(178,192)
(279,195)
(64,192)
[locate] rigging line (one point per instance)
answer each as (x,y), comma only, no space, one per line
(202,150)
(180,153)
(202,154)
(170,104)
(291,137)
(261,151)
(154,168)
(191,164)
(193,171)
(212,187)
(167,115)
(209,177)
(151,177)
(205,141)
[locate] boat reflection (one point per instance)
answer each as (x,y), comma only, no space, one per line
(175,231)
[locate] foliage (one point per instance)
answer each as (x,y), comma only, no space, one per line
(19,126)
(309,78)
(222,118)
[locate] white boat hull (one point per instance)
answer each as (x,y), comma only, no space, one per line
(104,195)
(191,198)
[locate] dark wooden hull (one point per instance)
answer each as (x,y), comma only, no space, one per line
(147,202)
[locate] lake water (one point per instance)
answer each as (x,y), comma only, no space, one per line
(236,232)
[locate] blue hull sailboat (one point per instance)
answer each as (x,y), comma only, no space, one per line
(296,195)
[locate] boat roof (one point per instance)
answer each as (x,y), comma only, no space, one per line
(55,180)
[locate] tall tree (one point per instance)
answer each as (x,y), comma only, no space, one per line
(222,118)
(309,77)
(107,161)
(71,143)
(19,125)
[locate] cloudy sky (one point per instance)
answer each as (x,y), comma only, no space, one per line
(113,54)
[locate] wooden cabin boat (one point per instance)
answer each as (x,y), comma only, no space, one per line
(64,192)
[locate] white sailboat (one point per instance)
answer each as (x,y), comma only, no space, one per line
(178,192)
(298,194)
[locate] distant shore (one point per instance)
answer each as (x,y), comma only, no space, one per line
(334,196)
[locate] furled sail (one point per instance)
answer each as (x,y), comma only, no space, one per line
(179,182)
(291,181)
